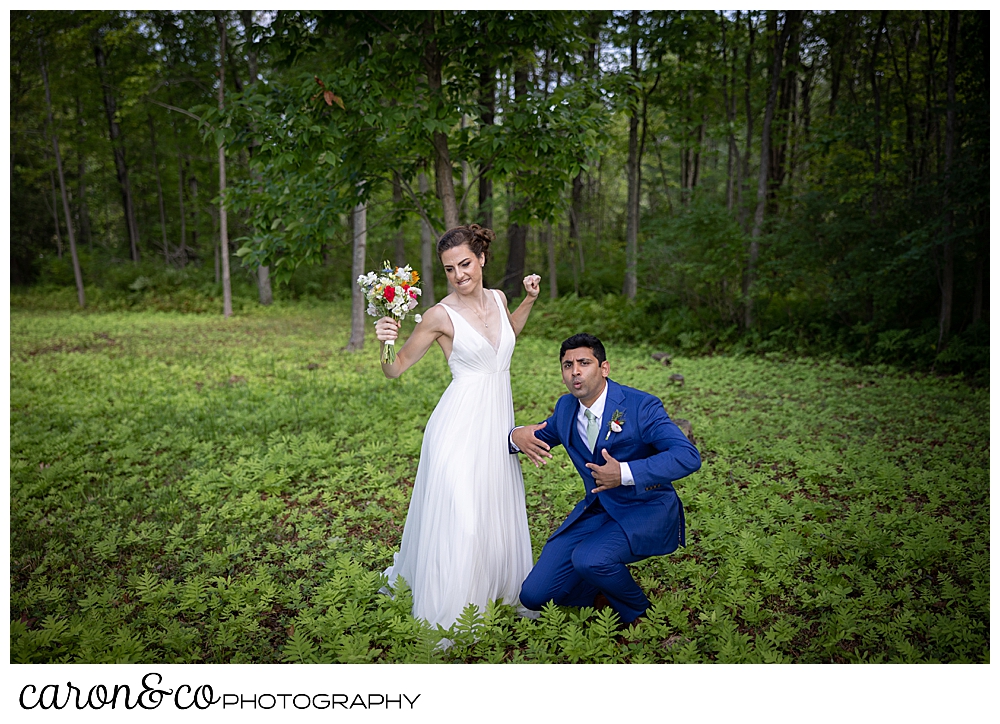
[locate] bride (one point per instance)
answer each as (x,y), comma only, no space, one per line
(466,534)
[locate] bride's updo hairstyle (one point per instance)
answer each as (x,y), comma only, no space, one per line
(475,236)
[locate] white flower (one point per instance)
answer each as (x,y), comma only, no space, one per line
(417,318)
(615,427)
(371,309)
(412,305)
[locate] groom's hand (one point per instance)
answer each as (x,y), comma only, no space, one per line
(536,450)
(606,476)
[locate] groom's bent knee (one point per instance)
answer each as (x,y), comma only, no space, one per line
(534,593)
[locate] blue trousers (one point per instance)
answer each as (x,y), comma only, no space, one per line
(586,558)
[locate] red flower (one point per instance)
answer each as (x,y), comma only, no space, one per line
(413,294)
(389,294)
(405,287)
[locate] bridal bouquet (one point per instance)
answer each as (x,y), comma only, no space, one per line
(390,293)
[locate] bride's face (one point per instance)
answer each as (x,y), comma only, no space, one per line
(463,268)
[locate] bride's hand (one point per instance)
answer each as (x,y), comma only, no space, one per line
(531,283)
(386,329)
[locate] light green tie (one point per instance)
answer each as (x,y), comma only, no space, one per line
(591,429)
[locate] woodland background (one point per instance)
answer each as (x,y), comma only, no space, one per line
(809,181)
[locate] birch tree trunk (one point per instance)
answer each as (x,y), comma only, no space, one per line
(359,227)
(227,292)
(78,276)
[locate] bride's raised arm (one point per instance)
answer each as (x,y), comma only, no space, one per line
(519,317)
(434,324)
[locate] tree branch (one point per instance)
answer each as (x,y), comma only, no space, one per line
(420,207)
(482,169)
(175,108)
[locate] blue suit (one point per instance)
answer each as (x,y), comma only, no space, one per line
(588,553)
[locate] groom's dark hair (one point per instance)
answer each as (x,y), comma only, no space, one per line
(584,340)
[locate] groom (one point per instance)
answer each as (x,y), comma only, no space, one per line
(629,454)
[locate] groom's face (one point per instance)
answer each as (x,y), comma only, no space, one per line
(583,375)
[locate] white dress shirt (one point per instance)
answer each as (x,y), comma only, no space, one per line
(581,427)
(597,409)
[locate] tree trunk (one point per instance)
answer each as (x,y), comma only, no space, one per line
(782,125)
(227,292)
(744,188)
(427,253)
(443,171)
(517,234)
(78,276)
(517,243)
(729,99)
(576,216)
(905,83)
(464,211)
(118,145)
(359,227)
(83,210)
(193,190)
(264,293)
(977,292)
(550,241)
(487,104)
(399,257)
(159,190)
(765,154)
(182,249)
(948,277)
(215,252)
(876,94)
(630,285)
(55,214)
(696,169)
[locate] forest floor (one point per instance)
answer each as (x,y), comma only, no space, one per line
(185,488)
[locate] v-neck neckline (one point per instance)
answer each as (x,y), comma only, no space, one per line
(496,349)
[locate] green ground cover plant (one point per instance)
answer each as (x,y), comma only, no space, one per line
(185,488)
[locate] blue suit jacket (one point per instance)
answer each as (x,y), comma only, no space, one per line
(657,452)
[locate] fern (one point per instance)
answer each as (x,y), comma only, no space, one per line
(164,515)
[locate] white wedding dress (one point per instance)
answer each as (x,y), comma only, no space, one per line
(466,534)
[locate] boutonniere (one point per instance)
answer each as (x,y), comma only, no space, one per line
(616,423)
